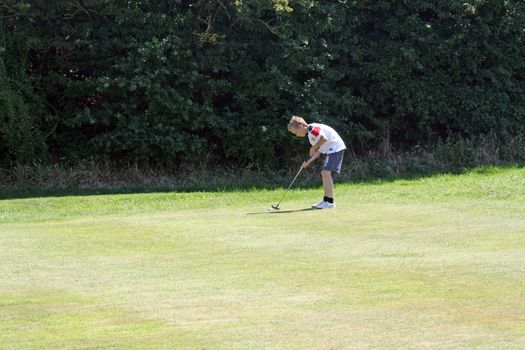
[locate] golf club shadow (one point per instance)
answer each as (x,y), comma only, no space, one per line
(282,211)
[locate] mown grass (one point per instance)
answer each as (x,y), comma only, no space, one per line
(429,263)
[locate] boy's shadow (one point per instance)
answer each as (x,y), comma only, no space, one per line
(282,211)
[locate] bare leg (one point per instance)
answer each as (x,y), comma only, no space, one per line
(328,184)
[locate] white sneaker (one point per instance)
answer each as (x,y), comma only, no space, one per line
(325,205)
(317,204)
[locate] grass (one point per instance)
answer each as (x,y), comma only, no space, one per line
(429,263)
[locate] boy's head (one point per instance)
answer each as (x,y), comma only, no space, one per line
(298,126)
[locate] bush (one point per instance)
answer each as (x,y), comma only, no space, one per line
(167,84)
(21,134)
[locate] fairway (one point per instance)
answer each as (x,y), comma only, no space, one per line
(430,263)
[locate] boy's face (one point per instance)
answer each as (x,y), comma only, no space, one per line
(299,131)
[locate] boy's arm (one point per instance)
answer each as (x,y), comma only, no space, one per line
(312,158)
(315,148)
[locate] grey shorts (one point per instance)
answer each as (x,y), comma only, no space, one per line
(333,161)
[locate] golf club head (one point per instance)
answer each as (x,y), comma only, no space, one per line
(276,207)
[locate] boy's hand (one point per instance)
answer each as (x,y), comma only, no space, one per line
(312,151)
(306,163)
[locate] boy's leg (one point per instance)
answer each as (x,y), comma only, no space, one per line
(328,188)
(331,164)
(328,183)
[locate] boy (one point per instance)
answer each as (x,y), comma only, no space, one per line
(324,140)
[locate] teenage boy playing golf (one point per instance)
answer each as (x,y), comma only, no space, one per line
(324,140)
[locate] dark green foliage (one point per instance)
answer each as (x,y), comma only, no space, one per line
(185,82)
(21,110)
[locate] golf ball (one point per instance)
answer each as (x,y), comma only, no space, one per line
(270,209)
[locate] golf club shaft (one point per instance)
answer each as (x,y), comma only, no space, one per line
(296,175)
(291,184)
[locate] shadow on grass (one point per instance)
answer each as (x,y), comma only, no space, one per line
(279,181)
(272,212)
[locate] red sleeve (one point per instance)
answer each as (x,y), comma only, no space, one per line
(316,131)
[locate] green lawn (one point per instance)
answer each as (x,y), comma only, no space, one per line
(430,263)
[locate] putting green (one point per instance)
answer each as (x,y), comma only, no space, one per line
(430,263)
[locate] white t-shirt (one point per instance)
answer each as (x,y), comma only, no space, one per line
(334,142)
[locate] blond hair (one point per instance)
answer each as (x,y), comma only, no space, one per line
(296,122)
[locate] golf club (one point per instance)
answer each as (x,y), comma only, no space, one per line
(276,207)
